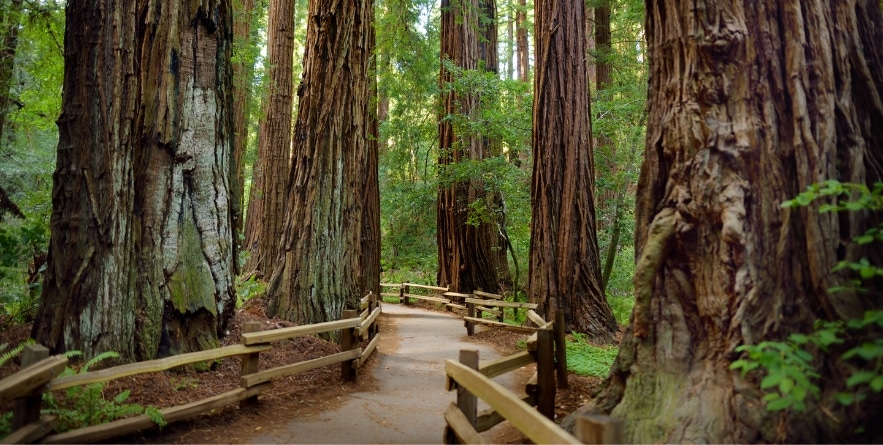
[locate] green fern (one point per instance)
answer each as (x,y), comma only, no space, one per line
(8,355)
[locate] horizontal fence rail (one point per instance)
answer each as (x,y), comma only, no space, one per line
(29,383)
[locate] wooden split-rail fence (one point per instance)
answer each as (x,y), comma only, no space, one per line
(41,373)
(476,304)
(533,414)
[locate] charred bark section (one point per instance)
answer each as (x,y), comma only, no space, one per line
(465,251)
(89,299)
(183,177)
(564,262)
(749,103)
(318,274)
(266,213)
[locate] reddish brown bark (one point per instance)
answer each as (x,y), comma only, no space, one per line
(564,261)
(749,103)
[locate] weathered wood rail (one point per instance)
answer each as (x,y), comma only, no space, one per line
(39,376)
(545,348)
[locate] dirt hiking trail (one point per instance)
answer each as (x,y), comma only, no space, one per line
(408,403)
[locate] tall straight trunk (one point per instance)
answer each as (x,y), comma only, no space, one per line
(243,76)
(10,20)
(522,44)
(370,255)
(591,71)
(605,151)
(564,262)
(749,103)
(319,274)
(267,204)
(465,251)
(510,44)
(184,175)
(89,298)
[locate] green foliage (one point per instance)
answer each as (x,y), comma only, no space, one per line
(183,383)
(12,353)
(587,359)
(790,371)
(83,406)
(247,289)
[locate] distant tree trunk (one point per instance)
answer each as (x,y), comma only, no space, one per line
(320,272)
(749,103)
(564,262)
(522,45)
(89,301)
(370,257)
(184,176)
(590,46)
(510,44)
(10,20)
(243,76)
(465,255)
(267,204)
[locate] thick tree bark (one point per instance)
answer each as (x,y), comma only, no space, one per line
(750,102)
(184,176)
(266,208)
(89,296)
(371,236)
(320,272)
(466,260)
(243,76)
(564,262)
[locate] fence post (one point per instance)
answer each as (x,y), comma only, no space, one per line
(347,342)
(375,328)
(27,409)
(560,350)
(594,429)
(545,374)
(405,290)
(466,401)
(250,362)
(470,312)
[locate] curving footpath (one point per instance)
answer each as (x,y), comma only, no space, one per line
(410,399)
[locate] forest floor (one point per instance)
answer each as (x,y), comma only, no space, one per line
(319,398)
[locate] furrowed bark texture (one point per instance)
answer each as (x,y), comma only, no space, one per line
(243,76)
(320,272)
(266,209)
(466,260)
(522,42)
(750,102)
(564,263)
(183,176)
(89,299)
(371,236)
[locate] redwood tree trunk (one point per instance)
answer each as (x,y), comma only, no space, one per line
(266,208)
(243,76)
(522,43)
(466,260)
(750,102)
(319,274)
(564,262)
(89,296)
(184,176)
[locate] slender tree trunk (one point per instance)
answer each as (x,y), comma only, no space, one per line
(465,251)
(605,150)
(564,262)
(370,258)
(521,42)
(267,205)
(591,71)
(243,76)
(320,273)
(510,44)
(10,20)
(89,300)
(749,103)
(183,175)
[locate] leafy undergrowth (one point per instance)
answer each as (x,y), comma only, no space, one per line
(588,359)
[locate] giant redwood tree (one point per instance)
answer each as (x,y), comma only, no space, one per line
(266,204)
(141,251)
(320,270)
(750,102)
(564,264)
(466,257)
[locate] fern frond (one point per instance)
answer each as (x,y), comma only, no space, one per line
(99,358)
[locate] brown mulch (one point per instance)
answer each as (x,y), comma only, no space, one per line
(306,393)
